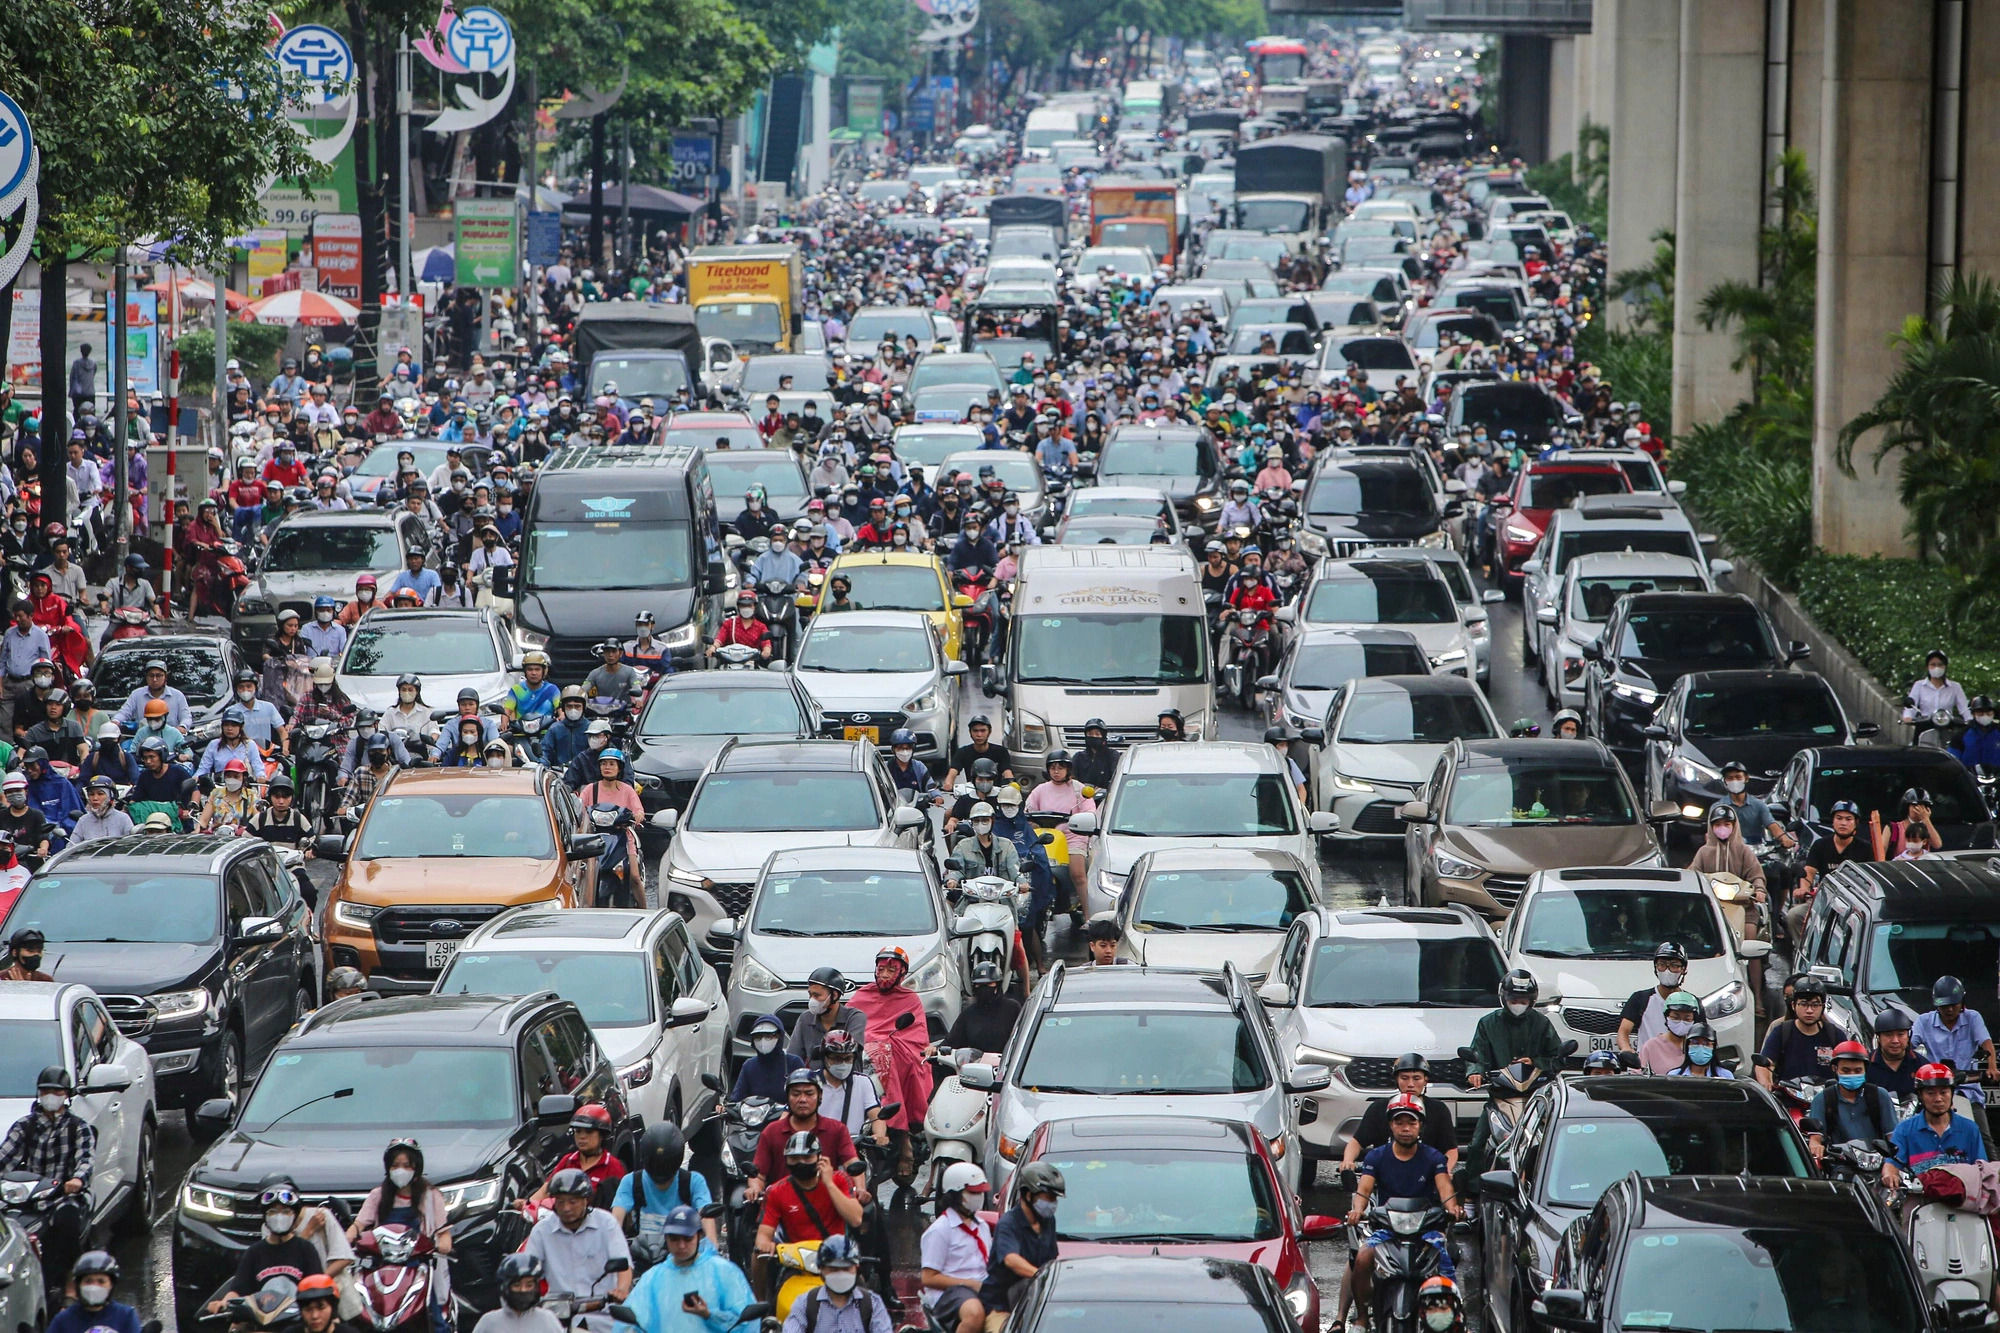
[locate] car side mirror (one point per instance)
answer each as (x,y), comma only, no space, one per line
(711,1080)
(1677,488)
(585,846)
(979,1078)
(1862,731)
(106,1078)
(1083,822)
(1322,823)
(1546,616)
(215,1113)
(1810,1124)
(956,668)
(1500,1186)
(686,1012)
(1267,682)
(1661,810)
(1797,651)
(1562,1306)
(1532,567)
(665,820)
(1754,949)
(1492,597)
(331,846)
(1592,650)
(555,1109)
(1318,1226)
(1415,812)
(906,818)
(1276,994)
(259,928)
(1313,735)
(1654,731)
(1308,1078)
(723,935)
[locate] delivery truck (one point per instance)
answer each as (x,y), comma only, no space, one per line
(1125,210)
(751,295)
(1290,185)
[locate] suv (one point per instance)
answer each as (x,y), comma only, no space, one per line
(1875,777)
(1179,461)
(1354,505)
(486,1084)
(1606,523)
(1356,990)
(762,796)
(319,554)
(654,1006)
(1590,587)
(1495,812)
(201,947)
(692,716)
(440,852)
(1120,1041)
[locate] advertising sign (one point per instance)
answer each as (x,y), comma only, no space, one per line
(864,107)
(142,340)
(487,243)
(24,340)
(694,163)
(267,257)
(336,241)
(544,239)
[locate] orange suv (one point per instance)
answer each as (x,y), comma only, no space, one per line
(441,850)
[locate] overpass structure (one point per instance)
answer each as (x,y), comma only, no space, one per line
(1895,105)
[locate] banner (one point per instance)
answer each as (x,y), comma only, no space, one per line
(142,341)
(24,340)
(268,248)
(694,163)
(336,239)
(864,107)
(544,239)
(487,243)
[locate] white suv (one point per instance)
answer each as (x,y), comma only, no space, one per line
(1591,585)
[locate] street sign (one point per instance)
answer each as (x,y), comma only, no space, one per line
(337,253)
(487,244)
(544,239)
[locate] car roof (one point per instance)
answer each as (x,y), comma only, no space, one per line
(1110,1133)
(697,420)
(825,754)
(1764,1203)
(1221,858)
(192,638)
(341,518)
(1652,879)
(1402,922)
(730,680)
(1412,685)
(1089,493)
(418,1020)
(35,999)
(1200,757)
(905,619)
(1743,678)
(1352,570)
(445,613)
(845,858)
(849,559)
(1316,636)
(1932,889)
(465,781)
(528,927)
(1153,987)
(147,850)
(1631,562)
(1881,756)
(1122,1280)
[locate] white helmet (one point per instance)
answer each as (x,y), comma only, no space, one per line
(962,1176)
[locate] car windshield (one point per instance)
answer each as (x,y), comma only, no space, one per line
(1807,710)
(1371,354)
(429,647)
(1222,900)
(1118,258)
(1203,805)
(845,902)
(1414,715)
(774,470)
(734,711)
(931,371)
(603,557)
(381,460)
(1954,797)
(1715,638)
(784,802)
(1360,284)
(461,1087)
(767,374)
(1619,923)
(1382,599)
(747,324)
(1173,455)
(1131,1195)
(474,824)
(195,669)
(1088,502)
(27,1047)
(1555,490)
(612,990)
(1591,599)
(1273,215)
(1587,1157)
(1110,649)
(868,649)
(1370,490)
(637,377)
(1517,407)
(1763,1278)
(1525,792)
(1126,1053)
(1909,955)
(1593,539)
(74,907)
(1365,973)
(312,547)
(741,436)
(1328,666)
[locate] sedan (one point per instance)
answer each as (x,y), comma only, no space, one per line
(1108,530)
(870,673)
(1383,738)
(1200,907)
(1318,662)
(1393,594)
(451,650)
(1591,586)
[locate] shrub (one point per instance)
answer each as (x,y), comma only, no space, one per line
(255,345)
(1889,613)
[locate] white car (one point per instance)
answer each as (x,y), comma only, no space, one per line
(451,649)
(1201,907)
(1588,935)
(1591,586)
(1383,738)
(68,1025)
(1472,602)
(639,981)
(1178,794)
(1384,592)
(882,671)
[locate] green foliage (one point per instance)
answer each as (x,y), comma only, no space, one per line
(1650,289)
(1886,613)
(1637,364)
(1579,183)
(687,58)
(877,40)
(255,345)
(1773,317)
(1756,494)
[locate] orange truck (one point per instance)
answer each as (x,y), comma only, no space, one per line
(1127,211)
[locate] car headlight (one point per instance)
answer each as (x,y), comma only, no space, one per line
(528,638)
(1299,1293)
(1653,860)
(1032,732)
(638,1074)
(687,879)
(1451,658)
(1690,771)
(687,636)
(931,976)
(923,703)
(254,606)
(1635,693)
(1112,885)
(468,1195)
(753,975)
(1435,540)
(200,1201)
(1731,999)
(174,1005)
(1452,868)
(1345,783)
(358,916)
(1517,533)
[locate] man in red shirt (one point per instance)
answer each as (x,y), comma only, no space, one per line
(812,1202)
(772,421)
(285,470)
(744,627)
(802,1100)
(383,421)
(590,1129)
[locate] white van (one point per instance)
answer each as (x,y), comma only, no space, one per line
(1112,632)
(1048,126)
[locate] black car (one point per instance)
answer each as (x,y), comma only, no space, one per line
(690,715)
(1353,505)
(1530,411)
(1652,639)
(1759,719)
(1712,1251)
(1145,1292)
(486,1086)
(1875,777)
(1581,1136)
(201,946)
(1179,461)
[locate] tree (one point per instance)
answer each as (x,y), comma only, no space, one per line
(1652,286)
(1773,317)
(878,41)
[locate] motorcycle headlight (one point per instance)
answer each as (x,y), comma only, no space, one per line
(200,1201)
(925,702)
(355,915)
(753,975)
(1729,1000)
(469,1195)
(1406,1224)
(1452,868)
(931,976)
(180,1004)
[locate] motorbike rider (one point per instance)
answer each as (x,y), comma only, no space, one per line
(1217,574)
(231,744)
(897,1051)
(847,1092)
(985,773)
(1096,762)
(24,956)
(1979,743)
(1024,1241)
(317,1299)
(768,1070)
(590,1131)
(1849,1108)
(464,746)
(1722,852)
(1567,726)
(161,786)
(325,636)
(614,678)
(954,1251)
(576,1261)
(1955,1034)
(281,822)
(1172,726)
(1514,1031)
(411,715)
(1252,599)
(979,745)
(366,589)
(1755,817)
(569,735)
(520,1311)
(1700,1061)
(839,595)
(178,715)
(1439,1305)
(232,805)
(663,1182)
(1897,1058)
(1667,1050)
(908,772)
(811,1200)
(645,651)
(745,627)
(839,1304)
(778,561)
(1936,692)
(826,1014)
(1403,1168)
(986,1023)
(1440,1127)
(57,732)
(696,1289)
(278,1251)
(1936,1135)
(1842,844)
(1062,794)
(94,1275)
(534,695)
(982,853)
(1011,824)
(1800,1046)
(1644,1015)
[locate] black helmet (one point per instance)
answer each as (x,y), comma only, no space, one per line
(1722,812)
(1843,808)
(1895,1018)
(1670,951)
(468,695)
(55,1076)
(986,974)
(1915,796)
(1981,703)
(662,1149)
(1806,985)
(800,1077)
(95,1263)
(1734,766)
(1413,1061)
(1095,724)
(985,768)
(1058,757)
(830,978)
(1282,734)
(1947,990)
(571,1181)
(519,1265)
(27,938)
(1518,986)
(1041,1178)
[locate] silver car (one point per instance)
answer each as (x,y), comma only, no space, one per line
(1603,523)
(1472,602)
(1320,661)
(1123,1041)
(836,907)
(1395,590)
(1200,907)
(1590,586)
(870,674)
(451,649)
(321,554)
(1356,990)
(1383,738)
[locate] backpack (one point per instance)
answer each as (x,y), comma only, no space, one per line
(817,1297)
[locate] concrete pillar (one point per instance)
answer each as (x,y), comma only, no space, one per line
(1718,194)
(1583,85)
(1602,105)
(1644,129)
(1524,96)
(1562,96)
(1873,249)
(1979,173)
(1807,68)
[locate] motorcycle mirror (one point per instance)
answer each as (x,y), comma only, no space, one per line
(1811,1125)
(711,1081)
(616,1264)
(904,1022)
(887,1110)
(623,1314)
(713,1210)
(1569,1048)
(1467,1054)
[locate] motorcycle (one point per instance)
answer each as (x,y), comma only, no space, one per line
(1252,654)
(618,884)
(397,1269)
(956,1120)
(128,622)
(742,1122)
(219,575)
(1738,899)
(780,615)
(736,657)
(1507,1092)
(618,712)
(1952,1246)
(272,1308)
(524,736)
(1796,1095)
(1404,1261)
(319,771)
(989,919)
(978,619)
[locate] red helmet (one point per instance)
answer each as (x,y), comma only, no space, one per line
(1404,1104)
(235,766)
(1934,1075)
(592,1115)
(1850,1050)
(365,581)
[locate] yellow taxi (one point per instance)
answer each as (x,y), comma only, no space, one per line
(905,581)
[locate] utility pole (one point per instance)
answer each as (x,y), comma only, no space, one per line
(624,240)
(222,359)
(524,327)
(404,289)
(120,427)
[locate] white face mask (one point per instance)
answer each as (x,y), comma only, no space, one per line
(904,755)
(52,1102)
(1517,1009)
(1669,977)
(838,1070)
(280,1223)
(839,1281)
(401,1177)
(1983,719)
(1439,1320)
(94,1293)
(765,1045)
(247,694)
(1734,786)
(982,827)
(1937,673)
(324,617)
(818,1006)
(234,784)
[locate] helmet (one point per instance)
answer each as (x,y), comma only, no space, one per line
(591,1116)
(325,603)
(1566,715)
(1601,1060)
(468,695)
(313,1287)
(961,1176)
(27,938)
(1518,986)
(1722,812)
(985,768)
(1436,1289)
(1058,757)
(1670,951)
(1404,1104)
(518,1266)
(1982,703)
(839,1042)
(1933,1075)
(572,1182)
(801,1077)
(1041,1178)
(1849,1050)
(986,974)
(1916,796)
(1947,990)
(97,1263)
(1808,986)
(55,1076)
(902,736)
(838,1252)
(1682,999)
(830,978)
(535,657)
(1893,1019)
(404,1144)
(1843,808)
(1413,1061)
(893,953)
(345,978)
(662,1150)
(572,692)
(802,1143)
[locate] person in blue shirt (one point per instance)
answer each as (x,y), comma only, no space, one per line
(568,736)
(696,1290)
(94,1311)
(1849,1108)
(1403,1168)
(1957,1036)
(534,695)
(53,794)
(663,1183)
(1980,742)
(1935,1135)
(764,1073)
(231,744)
(414,578)
(908,772)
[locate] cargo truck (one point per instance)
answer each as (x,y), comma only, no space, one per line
(1290,185)
(752,295)
(1127,211)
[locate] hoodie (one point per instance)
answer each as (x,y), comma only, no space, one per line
(764,1075)
(1733,857)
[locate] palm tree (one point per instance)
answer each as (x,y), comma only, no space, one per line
(1773,317)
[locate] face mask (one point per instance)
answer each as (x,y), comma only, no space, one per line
(324,617)
(1669,976)
(805,1173)
(94,1293)
(1701,1055)
(765,1045)
(839,1281)
(1680,1027)
(574,714)
(1045,1209)
(52,1102)
(1517,1009)
(777,546)
(365,596)
(234,784)
(1439,1320)
(905,755)
(29,962)
(522,1301)
(982,827)
(279,1223)
(1853,1082)
(838,1070)
(746,612)
(1734,786)
(43,679)
(1723,832)
(326,688)
(401,1177)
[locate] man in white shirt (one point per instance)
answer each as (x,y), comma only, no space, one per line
(318,411)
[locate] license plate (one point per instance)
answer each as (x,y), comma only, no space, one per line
(439,952)
(1603,1043)
(873,735)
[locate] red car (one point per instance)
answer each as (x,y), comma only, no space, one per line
(1182,1189)
(1539,490)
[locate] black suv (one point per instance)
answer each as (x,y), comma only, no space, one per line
(486,1086)
(1735,1252)
(202,947)
(1353,505)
